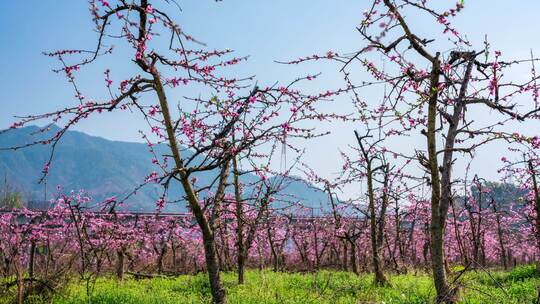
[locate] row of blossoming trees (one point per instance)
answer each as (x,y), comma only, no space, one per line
(42,249)
(227,126)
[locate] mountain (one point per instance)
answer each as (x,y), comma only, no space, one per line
(104,168)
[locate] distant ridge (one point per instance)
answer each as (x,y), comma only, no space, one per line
(103,168)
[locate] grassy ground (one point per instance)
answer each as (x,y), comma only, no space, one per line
(517,286)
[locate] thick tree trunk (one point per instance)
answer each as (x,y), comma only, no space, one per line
(437,219)
(20,286)
(240,250)
(441,195)
(241,268)
(536,208)
(120,265)
(345,257)
(160,260)
(437,263)
(354,264)
(174,257)
(31,260)
(218,292)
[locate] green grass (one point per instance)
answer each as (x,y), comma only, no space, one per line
(517,286)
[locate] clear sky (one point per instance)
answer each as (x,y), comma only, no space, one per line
(265,30)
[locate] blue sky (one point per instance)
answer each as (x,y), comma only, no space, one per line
(265,30)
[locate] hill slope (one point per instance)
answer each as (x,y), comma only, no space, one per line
(103,168)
